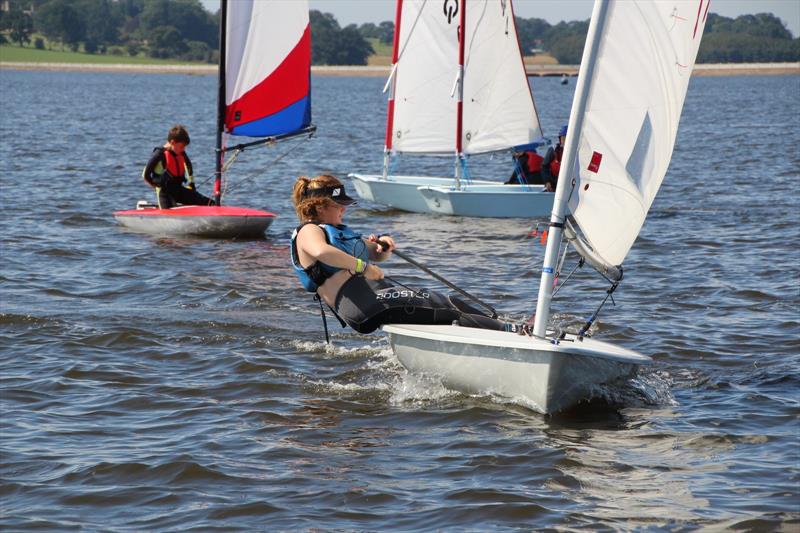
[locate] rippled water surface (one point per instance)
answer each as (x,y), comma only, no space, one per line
(180,384)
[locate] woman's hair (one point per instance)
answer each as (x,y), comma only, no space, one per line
(178,133)
(308,208)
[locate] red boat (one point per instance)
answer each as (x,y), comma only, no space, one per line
(221,222)
(264,92)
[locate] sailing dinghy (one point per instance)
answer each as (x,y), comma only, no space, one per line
(630,91)
(460,93)
(264,92)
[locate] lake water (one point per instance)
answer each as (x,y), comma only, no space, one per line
(167,384)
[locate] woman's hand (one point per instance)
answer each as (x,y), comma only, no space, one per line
(381,243)
(373,272)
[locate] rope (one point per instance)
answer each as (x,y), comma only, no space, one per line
(520,174)
(465,174)
(226,189)
(577,266)
(594,316)
(392,164)
(265,168)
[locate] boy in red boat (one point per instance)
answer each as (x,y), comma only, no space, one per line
(169,168)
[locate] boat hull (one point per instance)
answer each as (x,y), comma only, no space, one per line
(544,376)
(495,201)
(221,222)
(400,192)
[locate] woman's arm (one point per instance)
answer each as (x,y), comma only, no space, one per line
(311,242)
(378,252)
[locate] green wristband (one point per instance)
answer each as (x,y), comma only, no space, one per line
(361,265)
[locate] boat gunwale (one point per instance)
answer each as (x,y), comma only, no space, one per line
(564,347)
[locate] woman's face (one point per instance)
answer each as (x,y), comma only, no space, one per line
(332,213)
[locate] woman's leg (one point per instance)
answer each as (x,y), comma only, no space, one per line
(366,305)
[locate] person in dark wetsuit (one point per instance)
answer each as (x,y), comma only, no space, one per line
(169,168)
(528,169)
(338,264)
(552,161)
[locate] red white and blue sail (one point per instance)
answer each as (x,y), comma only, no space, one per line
(267,67)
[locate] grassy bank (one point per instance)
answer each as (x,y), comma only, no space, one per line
(18,54)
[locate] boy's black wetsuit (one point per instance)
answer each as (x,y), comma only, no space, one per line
(171,190)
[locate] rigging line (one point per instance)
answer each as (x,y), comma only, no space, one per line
(577,266)
(594,316)
(266,167)
(225,166)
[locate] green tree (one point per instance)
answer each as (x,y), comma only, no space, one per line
(568,50)
(386,32)
(369,30)
(20,25)
(187,16)
(166,41)
(332,45)
(102,21)
(531,33)
(58,20)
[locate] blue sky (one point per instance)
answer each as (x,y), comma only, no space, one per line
(553,11)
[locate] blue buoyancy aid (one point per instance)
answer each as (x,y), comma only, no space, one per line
(342,238)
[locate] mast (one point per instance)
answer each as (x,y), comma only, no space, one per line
(576,118)
(220,103)
(390,84)
(462,28)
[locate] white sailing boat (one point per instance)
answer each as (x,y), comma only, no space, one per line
(457,93)
(264,92)
(630,91)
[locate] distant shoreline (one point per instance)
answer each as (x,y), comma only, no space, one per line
(715,69)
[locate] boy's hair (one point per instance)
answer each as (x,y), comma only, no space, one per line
(178,133)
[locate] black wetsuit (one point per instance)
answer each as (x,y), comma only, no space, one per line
(171,190)
(365,305)
(528,177)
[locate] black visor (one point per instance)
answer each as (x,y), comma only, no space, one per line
(337,194)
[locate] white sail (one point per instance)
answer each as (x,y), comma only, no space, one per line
(498,106)
(426,71)
(498,110)
(647,50)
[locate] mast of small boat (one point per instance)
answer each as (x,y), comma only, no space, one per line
(220,103)
(390,85)
(462,29)
(558,218)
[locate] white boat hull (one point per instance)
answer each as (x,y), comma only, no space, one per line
(401,192)
(224,222)
(545,376)
(496,201)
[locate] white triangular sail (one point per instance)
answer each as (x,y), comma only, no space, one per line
(647,50)
(498,110)
(426,71)
(498,106)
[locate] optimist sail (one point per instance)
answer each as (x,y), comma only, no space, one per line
(498,105)
(498,110)
(647,50)
(267,67)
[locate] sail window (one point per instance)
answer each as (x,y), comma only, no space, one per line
(642,160)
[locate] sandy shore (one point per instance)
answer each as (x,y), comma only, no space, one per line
(717,69)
